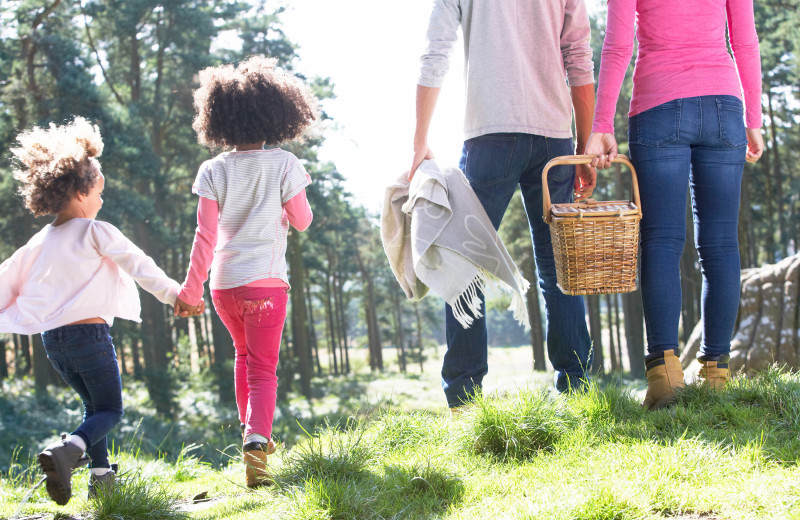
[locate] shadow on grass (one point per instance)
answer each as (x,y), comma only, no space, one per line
(762,410)
(401,492)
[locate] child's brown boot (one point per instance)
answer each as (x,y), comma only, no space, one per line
(664,376)
(102,484)
(255,463)
(714,371)
(57,461)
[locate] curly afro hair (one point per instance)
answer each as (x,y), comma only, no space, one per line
(251,103)
(56,164)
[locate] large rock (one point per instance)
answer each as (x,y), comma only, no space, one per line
(766,329)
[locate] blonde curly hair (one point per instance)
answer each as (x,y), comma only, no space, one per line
(56,164)
(250,103)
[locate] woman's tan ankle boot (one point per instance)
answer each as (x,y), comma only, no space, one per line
(664,376)
(255,463)
(714,371)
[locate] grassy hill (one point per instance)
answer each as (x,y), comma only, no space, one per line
(526,455)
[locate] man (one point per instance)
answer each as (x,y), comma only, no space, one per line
(518,116)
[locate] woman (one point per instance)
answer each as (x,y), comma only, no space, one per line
(685,130)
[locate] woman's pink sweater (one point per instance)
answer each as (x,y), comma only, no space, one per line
(682,53)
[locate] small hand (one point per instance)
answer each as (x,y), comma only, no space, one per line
(185,310)
(755,145)
(585,181)
(604,146)
(421,153)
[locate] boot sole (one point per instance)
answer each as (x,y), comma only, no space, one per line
(55,488)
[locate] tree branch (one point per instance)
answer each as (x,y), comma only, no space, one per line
(97,55)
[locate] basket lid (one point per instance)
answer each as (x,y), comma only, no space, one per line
(593,208)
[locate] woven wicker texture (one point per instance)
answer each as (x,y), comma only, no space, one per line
(595,244)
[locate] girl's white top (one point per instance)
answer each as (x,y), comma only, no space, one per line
(250,188)
(81,269)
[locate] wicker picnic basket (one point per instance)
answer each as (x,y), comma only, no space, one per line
(595,244)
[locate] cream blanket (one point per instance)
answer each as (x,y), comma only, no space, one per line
(437,236)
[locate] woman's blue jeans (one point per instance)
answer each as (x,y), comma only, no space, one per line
(699,144)
(85,358)
(495,164)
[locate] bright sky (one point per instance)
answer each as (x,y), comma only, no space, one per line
(371,49)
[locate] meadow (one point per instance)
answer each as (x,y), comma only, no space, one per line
(384,446)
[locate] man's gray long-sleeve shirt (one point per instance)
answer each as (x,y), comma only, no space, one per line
(521,57)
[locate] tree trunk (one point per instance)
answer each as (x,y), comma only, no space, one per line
(420,349)
(611,344)
(312,332)
(42,369)
(373,330)
(399,333)
(617,328)
(596,332)
(25,345)
(223,352)
(3,360)
(634,331)
(299,321)
(777,173)
(528,267)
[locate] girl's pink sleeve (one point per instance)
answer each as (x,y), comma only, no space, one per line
(299,212)
(205,240)
(744,44)
(614,60)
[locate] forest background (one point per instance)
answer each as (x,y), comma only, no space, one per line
(131,67)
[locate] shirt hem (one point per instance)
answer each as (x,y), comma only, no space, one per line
(517,129)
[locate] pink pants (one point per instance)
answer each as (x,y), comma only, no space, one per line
(254,316)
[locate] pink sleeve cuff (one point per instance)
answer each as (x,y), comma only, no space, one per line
(299,212)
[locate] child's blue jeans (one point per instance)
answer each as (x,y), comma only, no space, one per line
(85,358)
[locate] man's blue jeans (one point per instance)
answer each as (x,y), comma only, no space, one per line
(698,143)
(495,164)
(85,358)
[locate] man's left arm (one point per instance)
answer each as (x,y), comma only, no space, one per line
(576,52)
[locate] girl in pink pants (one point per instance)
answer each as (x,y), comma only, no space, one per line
(248,197)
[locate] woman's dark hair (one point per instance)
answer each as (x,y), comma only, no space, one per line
(56,164)
(250,103)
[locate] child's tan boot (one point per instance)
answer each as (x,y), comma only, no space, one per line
(664,376)
(714,371)
(255,463)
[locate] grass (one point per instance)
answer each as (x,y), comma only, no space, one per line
(528,454)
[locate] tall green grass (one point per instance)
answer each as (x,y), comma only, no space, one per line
(530,455)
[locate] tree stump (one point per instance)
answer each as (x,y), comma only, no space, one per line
(766,329)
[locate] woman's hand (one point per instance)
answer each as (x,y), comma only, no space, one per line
(604,146)
(755,145)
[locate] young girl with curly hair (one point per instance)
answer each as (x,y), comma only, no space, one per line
(248,198)
(69,282)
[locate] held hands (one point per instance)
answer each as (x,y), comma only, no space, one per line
(755,145)
(184,310)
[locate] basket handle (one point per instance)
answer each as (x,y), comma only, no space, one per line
(584,159)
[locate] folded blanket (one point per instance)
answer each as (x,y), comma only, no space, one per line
(437,236)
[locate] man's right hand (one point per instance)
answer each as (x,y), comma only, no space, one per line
(421,152)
